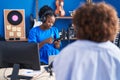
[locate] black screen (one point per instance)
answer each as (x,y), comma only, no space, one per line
(23,53)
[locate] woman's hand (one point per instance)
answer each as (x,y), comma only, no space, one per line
(57,44)
(49,40)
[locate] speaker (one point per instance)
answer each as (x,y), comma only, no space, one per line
(14,24)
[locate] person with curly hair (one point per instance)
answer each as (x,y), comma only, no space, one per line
(92,56)
(45,35)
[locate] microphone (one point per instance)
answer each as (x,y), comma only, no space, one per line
(50,68)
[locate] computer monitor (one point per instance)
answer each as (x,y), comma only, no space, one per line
(23,54)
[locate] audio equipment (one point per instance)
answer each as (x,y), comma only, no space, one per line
(50,64)
(117,38)
(71,32)
(43,17)
(14,24)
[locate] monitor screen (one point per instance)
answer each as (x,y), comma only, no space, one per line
(23,53)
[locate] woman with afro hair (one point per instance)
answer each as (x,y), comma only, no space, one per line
(92,56)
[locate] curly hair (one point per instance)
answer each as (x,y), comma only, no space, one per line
(96,22)
(45,9)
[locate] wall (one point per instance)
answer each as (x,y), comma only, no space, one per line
(16,4)
(29,6)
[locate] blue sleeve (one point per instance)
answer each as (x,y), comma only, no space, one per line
(56,32)
(32,36)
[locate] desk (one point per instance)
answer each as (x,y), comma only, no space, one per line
(44,75)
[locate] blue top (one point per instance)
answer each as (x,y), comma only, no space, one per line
(87,60)
(38,35)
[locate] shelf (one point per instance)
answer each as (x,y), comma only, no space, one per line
(65,17)
(70,39)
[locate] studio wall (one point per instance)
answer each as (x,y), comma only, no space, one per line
(30,8)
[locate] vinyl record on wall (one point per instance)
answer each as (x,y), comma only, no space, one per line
(14,17)
(14,24)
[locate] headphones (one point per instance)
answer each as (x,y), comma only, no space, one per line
(44,16)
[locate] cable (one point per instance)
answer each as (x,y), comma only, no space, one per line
(45,77)
(38,76)
(4,74)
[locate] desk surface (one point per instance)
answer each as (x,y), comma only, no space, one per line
(43,75)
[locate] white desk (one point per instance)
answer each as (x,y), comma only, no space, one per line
(44,75)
